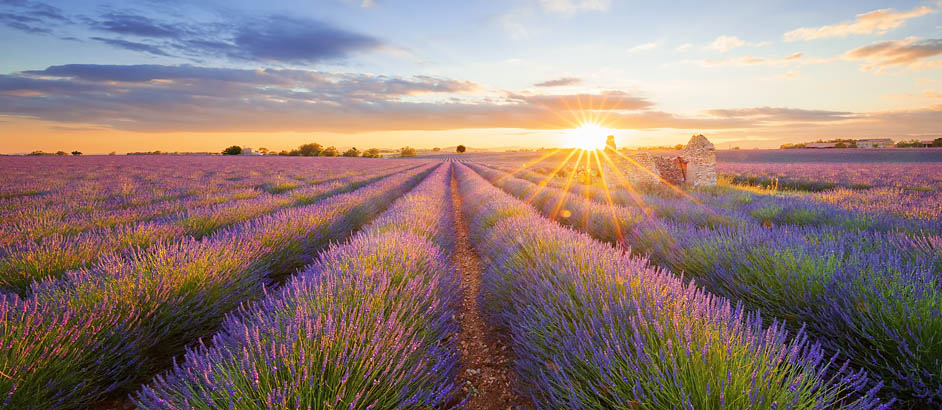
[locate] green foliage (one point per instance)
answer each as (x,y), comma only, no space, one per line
(352,152)
(330,151)
(233,150)
(407,152)
(371,153)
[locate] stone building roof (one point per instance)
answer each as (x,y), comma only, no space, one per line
(699,143)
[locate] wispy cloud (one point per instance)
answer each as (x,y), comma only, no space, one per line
(644,47)
(911,53)
(877,21)
(750,60)
(559,82)
(31,17)
(778,114)
(726,43)
(570,6)
(683,47)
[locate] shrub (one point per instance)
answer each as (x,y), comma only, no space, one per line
(352,152)
(76,152)
(371,153)
(407,152)
(461,149)
(329,152)
(233,150)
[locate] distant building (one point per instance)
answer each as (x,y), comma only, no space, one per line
(875,143)
(248,151)
(821,145)
(926,143)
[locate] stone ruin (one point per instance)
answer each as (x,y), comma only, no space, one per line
(694,165)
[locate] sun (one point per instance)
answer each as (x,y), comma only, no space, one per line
(589,136)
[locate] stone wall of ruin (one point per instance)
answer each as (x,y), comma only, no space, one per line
(699,156)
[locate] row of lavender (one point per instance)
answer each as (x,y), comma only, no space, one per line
(723,206)
(907,189)
(731,209)
(370,325)
(875,298)
(75,186)
(103,330)
(22,264)
(594,328)
(78,207)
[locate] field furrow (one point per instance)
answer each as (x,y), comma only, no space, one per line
(103,330)
(856,293)
(593,327)
(54,256)
(371,324)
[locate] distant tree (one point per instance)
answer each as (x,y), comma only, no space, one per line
(352,152)
(312,150)
(37,153)
(371,153)
(937,142)
(284,153)
(61,153)
(113,153)
(909,144)
(76,152)
(263,151)
(330,151)
(436,149)
(407,152)
(461,149)
(736,148)
(233,150)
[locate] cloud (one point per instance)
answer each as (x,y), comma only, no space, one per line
(273,38)
(31,17)
(750,60)
(683,47)
(726,43)
(559,82)
(606,101)
(570,6)
(911,53)
(877,21)
(643,47)
(136,25)
(294,40)
(778,114)
(133,46)
(158,98)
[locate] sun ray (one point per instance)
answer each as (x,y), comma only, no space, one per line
(549,177)
(661,179)
(564,194)
(608,198)
(527,165)
(635,196)
(587,193)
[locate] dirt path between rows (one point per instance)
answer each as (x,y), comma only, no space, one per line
(486,370)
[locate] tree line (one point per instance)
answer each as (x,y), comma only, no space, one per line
(317,150)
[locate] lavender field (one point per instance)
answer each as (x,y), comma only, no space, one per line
(205,282)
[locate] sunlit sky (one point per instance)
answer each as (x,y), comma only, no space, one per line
(141,75)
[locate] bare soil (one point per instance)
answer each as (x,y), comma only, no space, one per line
(486,372)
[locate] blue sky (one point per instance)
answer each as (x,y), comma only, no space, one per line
(141,74)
